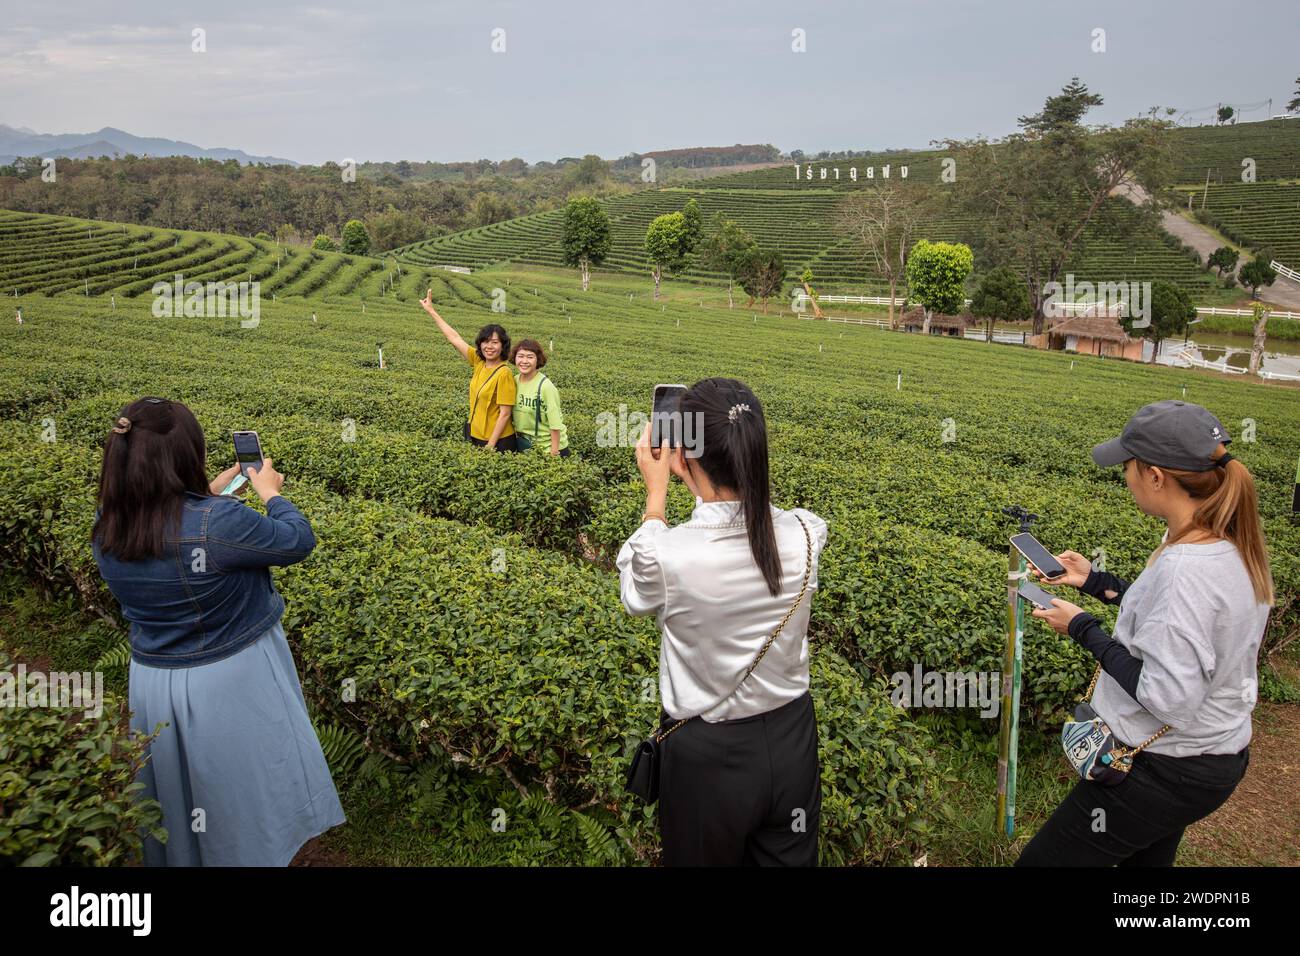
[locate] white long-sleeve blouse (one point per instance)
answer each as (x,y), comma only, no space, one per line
(715,611)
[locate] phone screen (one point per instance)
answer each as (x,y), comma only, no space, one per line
(665,416)
(1032,593)
(1039,556)
(248,451)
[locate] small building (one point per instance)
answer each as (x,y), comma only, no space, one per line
(956,325)
(1093,335)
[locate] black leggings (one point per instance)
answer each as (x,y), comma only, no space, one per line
(1139,822)
(742,792)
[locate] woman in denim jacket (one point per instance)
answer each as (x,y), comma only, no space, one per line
(237,767)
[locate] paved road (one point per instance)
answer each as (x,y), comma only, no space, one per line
(1282,294)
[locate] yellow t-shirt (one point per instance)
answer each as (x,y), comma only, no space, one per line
(489,390)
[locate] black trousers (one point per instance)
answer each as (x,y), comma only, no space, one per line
(742,792)
(1139,822)
(503,444)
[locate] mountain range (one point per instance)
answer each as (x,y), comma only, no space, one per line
(20,141)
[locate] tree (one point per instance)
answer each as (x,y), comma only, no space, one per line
(1001,297)
(762,274)
(1224,114)
(724,250)
(1256,273)
(393,228)
(1223,259)
(1036,192)
(666,244)
(325,242)
(1295,100)
(694,224)
(1170,310)
(489,208)
(356,241)
(882,220)
(1063,111)
(585,239)
(1257,347)
(591,170)
(936,276)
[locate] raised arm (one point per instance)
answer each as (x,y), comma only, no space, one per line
(452,335)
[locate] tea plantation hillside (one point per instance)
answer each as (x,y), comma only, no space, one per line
(471,597)
(795,214)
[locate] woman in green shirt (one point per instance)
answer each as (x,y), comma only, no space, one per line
(538,421)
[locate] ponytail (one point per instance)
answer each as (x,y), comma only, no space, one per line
(1228,507)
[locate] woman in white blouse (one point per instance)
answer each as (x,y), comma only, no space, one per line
(730,587)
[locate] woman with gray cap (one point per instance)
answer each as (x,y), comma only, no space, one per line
(1177,679)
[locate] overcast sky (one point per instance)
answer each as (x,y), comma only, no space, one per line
(381,80)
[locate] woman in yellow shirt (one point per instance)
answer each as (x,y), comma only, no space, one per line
(491,386)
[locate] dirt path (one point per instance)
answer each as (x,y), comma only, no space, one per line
(1283,293)
(1260,823)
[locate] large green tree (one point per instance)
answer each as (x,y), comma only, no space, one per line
(1001,297)
(694,225)
(667,244)
(585,237)
(936,276)
(1223,259)
(356,241)
(762,274)
(1256,273)
(1170,310)
(724,250)
(1036,193)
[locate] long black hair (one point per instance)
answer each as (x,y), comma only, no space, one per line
(154,454)
(734,456)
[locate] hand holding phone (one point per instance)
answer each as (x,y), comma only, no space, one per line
(1035,595)
(1038,556)
(266,481)
(1077,569)
(666,418)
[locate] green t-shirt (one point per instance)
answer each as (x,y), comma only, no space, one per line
(535,423)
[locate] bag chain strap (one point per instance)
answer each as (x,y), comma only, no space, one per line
(807,570)
(1123,751)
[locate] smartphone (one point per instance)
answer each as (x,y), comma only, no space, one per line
(1035,595)
(665,416)
(1038,556)
(248,451)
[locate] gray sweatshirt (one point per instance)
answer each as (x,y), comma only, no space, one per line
(1193,620)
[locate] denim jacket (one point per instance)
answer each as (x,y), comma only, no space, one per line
(211,594)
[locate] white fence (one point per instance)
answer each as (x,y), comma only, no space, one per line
(1284,271)
(1080,306)
(464,270)
(1186,356)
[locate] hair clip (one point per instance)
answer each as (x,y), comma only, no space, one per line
(734,412)
(123,425)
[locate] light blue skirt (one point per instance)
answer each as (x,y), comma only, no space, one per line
(238,769)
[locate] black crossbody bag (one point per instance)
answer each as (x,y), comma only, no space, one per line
(643,774)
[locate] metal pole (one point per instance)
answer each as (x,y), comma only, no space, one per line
(1012,668)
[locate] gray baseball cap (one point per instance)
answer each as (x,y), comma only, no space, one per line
(1169,434)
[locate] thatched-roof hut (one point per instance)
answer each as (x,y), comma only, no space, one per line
(1094,335)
